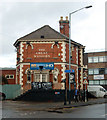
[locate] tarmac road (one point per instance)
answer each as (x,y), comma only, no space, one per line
(18,109)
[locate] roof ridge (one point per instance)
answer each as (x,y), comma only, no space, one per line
(33,32)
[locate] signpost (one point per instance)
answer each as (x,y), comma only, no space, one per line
(71,81)
(65,92)
(72,75)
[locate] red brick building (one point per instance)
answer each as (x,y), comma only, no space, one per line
(10,74)
(47,47)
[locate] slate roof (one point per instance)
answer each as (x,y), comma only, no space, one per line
(45,32)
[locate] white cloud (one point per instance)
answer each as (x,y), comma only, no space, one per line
(8,60)
(19,18)
(91,31)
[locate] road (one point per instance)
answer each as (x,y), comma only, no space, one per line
(20,109)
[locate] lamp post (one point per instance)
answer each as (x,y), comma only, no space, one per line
(70,53)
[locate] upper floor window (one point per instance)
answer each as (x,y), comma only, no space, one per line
(96,82)
(97,59)
(91,82)
(105,58)
(101,70)
(90,71)
(9,76)
(90,59)
(102,82)
(28,76)
(101,58)
(96,71)
(105,70)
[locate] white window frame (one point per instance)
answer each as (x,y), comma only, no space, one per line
(9,76)
(105,58)
(94,72)
(103,82)
(91,81)
(96,82)
(41,77)
(105,70)
(90,70)
(90,59)
(101,58)
(95,59)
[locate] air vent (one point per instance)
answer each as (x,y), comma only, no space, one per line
(42,36)
(28,42)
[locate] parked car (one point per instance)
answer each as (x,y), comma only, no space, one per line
(2,96)
(105,96)
(97,90)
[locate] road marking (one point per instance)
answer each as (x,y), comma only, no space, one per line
(23,114)
(104,115)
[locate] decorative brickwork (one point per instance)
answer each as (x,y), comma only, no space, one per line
(51,47)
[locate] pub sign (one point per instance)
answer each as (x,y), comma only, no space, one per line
(45,66)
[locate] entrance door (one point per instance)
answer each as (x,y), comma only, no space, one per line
(40,78)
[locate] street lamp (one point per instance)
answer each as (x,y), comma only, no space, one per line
(70,55)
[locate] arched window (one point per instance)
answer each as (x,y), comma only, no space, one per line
(28,76)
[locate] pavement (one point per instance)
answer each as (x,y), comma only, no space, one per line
(61,108)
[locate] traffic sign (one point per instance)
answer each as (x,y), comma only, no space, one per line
(85,82)
(70,71)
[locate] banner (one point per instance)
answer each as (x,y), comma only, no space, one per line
(44,66)
(41,85)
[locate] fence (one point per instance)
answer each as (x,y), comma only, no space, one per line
(11,91)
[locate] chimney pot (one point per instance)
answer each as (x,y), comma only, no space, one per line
(66,18)
(61,18)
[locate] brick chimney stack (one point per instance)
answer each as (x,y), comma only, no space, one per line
(64,26)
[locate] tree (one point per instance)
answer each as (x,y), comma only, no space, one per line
(3,80)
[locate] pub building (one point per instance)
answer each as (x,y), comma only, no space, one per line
(43,56)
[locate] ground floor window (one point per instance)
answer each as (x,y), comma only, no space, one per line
(102,82)
(91,82)
(28,76)
(97,82)
(37,78)
(9,76)
(41,78)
